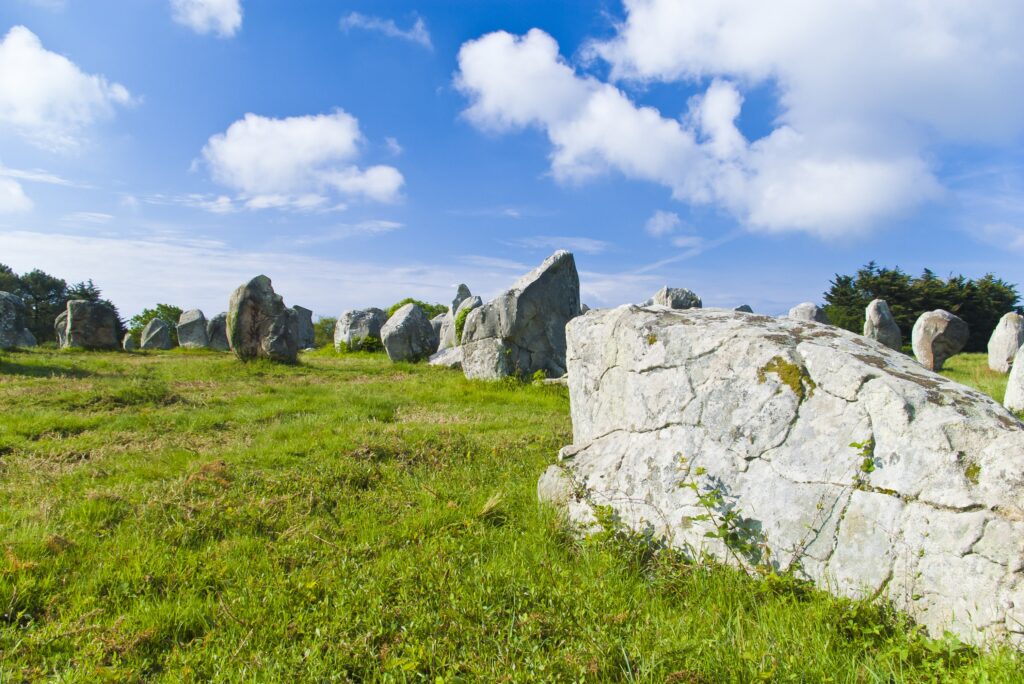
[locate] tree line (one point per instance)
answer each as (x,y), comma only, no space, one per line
(981,303)
(46,296)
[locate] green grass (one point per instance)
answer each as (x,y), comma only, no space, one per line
(972,370)
(184,517)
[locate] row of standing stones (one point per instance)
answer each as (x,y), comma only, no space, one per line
(832,455)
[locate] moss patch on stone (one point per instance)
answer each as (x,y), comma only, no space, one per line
(791,375)
(460,324)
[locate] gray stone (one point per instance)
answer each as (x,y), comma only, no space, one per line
(156,335)
(880,325)
(1006,340)
(744,308)
(449,358)
(408,335)
(27,339)
(808,311)
(938,335)
(449,336)
(91,325)
(1014,397)
(217,332)
(675,298)
(307,333)
(555,487)
(523,329)
(461,295)
(12,320)
(584,309)
(60,328)
(928,514)
(357,325)
(192,330)
(259,325)
(128,343)
(436,323)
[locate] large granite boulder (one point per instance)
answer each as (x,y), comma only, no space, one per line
(450,330)
(12,321)
(836,457)
(217,332)
(356,326)
(156,335)
(259,325)
(408,335)
(880,325)
(522,330)
(91,325)
(307,334)
(1014,398)
(192,330)
(448,358)
(938,335)
(808,311)
(128,343)
(675,298)
(60,328)
(1006,340)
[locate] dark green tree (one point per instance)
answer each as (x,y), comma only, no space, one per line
(323,331)
(45,297)
(9,280)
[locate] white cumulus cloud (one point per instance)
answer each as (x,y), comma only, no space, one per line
(13,199)
(297,162)
(417,33)
(222,17)
(46,98)
(663,223)
(866,92)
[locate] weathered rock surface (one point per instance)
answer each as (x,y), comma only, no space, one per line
(461,295)
(408,335)
(675,298)
(1005,342)
(259,325)
(357,325)
(91,325)
(26,339)
(938,335)
(60,328)
(449,358)
(1014,397)
(192,332)
(306,331)
(156,335)
(436,323)
(128,343)
(880,325)
(12,320)
(745,308)
(928,512)
(217,332)
(449,336)
(808,311)
(523,329)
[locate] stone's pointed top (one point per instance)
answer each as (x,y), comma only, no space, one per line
(557,261)
(461,295)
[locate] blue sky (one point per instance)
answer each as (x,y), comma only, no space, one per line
(361,152)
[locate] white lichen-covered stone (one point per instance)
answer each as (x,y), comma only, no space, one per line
(880,325)
(356,326)
(843,459)
(408,335)
(1005,342)
(1014,397)
(675,298)
(938,335)
(808,311)
(449,336)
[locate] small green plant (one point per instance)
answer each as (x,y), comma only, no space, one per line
(430,309)
(651,339)
(460,323)
(539,376)
(790,374)
(866,451)
(365,344)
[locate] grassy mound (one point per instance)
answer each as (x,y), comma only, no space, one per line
(184,517)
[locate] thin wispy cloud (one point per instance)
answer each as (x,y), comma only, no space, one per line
(39,176)
(96,218)
(582,245)
(350,230)
(416,34)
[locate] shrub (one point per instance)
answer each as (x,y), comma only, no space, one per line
(323,331)
(165,312)
(430,309)
(460,323)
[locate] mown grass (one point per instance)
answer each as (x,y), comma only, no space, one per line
(184,517)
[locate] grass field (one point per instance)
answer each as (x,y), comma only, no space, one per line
(180,516)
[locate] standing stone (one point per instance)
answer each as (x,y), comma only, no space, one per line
(157,335)
(307,333)
(192,330)
(128,343)
(522,330)
(461,295)
(925,511)
(880,325)
(12,320)
(259,325)
(808,311)
(938,335)
(450,329)
(408,335)
(449,358)
(356,326)
(1006,340)
(60,328)
(91,325)
(27,339)
(675,298)
(744,308)
(217,332)
(436,323)
(1014,399)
